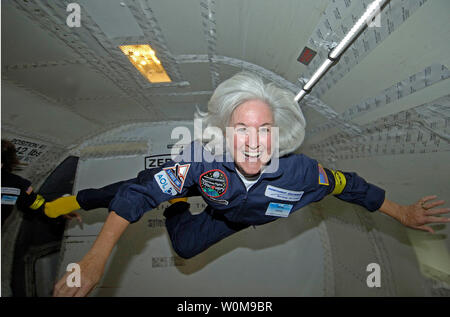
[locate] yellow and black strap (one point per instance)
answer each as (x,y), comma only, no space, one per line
(339,179)
(38,202)
(339,182)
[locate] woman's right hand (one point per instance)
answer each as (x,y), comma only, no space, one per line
(91,271)
(93,264)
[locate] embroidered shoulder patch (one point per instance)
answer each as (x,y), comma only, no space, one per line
(164,184)
(177,175)
(323,178)
(214,183)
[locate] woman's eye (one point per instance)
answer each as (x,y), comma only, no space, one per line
(241,130)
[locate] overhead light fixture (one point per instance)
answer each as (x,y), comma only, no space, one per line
(143,57)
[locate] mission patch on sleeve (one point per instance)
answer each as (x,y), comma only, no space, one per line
(323,178)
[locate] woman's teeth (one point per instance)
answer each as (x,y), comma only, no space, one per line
(252,154)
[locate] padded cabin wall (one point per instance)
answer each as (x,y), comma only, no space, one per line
(41,131)
(392,88)
(406,179)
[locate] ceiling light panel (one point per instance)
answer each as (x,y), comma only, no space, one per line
(143,57)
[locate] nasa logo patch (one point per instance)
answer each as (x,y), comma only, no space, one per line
(214,183)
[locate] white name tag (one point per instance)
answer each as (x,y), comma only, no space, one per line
(282,194)
(10,191)
(163,181)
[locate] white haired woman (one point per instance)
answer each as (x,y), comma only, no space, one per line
(238,185)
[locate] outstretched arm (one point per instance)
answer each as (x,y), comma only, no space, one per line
(85,199)
(352,188)
(417,215)
(93,263)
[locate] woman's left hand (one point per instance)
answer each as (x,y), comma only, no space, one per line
(418,215)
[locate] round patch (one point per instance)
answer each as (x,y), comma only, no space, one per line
(214,183)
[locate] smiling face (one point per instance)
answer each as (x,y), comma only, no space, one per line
(251,123)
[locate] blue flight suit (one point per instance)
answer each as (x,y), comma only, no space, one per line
(298,181)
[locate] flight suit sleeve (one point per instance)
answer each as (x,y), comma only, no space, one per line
(358,191)
(346,186)
(152,187)
(26,200)
(91,198)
